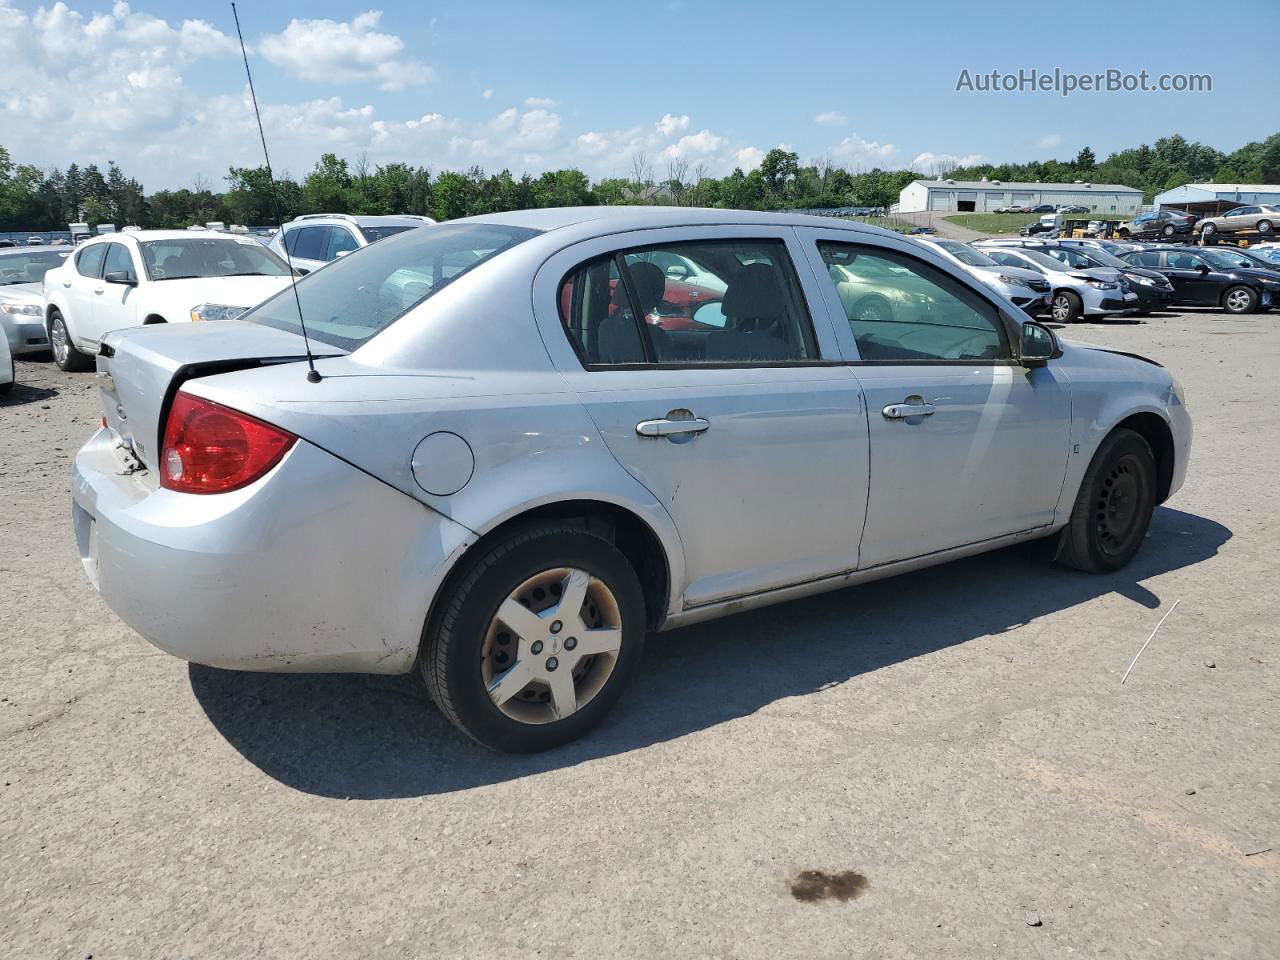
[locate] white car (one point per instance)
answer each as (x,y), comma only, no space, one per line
(315,239)
(153,276)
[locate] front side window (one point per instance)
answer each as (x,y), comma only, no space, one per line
(119,260)
(354,298)
(340,241)
(730,302)
(1145,258)
(902,310)
(1184,261)
(89,260)
(185,258)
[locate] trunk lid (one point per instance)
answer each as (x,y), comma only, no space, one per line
(140,368)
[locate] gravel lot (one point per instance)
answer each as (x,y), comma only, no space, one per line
(959,738)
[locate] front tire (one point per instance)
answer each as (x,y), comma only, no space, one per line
(1239,300)
(1066,307)
(537,638)
(1113,507)
(65,354)
(1168,230)
(1208,230)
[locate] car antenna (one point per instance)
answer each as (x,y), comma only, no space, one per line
(313,375)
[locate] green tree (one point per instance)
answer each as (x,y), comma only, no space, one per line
(779,169)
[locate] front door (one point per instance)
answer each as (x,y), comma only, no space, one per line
(116,305)
(966,445)
(1192,278)
(731,406)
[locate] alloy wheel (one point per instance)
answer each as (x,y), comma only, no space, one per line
(1061,309)
(1238,300)
(58,338)
(551,646)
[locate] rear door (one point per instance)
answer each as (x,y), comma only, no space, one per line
(738,416)
(82,285)
(307,246)
(966,445)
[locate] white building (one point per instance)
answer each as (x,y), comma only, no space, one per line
(968,196)
(1211,199)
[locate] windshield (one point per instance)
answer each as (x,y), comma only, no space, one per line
(28,267)
(1104,259)
(354,298)
(378,233)
(1044,260)
(1226,261)
(186,259)
(966,254)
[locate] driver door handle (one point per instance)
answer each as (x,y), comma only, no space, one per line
(668,428)
(913,406)
(66,283)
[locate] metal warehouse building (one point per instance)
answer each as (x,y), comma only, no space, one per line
(983,195)
(1211,199)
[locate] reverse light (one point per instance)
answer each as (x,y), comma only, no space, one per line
(216,311)
(209,448)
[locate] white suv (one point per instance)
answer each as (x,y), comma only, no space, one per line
(314,239)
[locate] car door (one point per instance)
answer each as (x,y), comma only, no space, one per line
(115,305)
(306,246)
(967,446)
(1192,276)
(1242,218)
(745,425)
(79,289)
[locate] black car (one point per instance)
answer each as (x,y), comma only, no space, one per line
(1161,223)
(1035,227)
(1044,208)
(1153,288)
(1212,278)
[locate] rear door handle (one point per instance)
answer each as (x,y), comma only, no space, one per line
(100,291)
(913,406)
(669,428)
(66,283)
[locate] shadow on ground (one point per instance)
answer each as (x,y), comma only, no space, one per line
(21,393)
(377,737)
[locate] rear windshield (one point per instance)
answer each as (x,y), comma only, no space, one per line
(380,233)
(351,299)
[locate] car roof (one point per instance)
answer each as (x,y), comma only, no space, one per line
(600,221)
(142,235)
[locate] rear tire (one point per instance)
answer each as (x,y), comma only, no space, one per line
(1264,226)
(1239,300)
(65,354)
(1168,230)
(1113,508)
(1065,307)
(471,649)
(1208,230)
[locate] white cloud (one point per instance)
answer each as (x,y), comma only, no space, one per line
(329,51)
(1049,141)
(856,152)
(670,125)
(930,162)
(538,128)
(698,144)
(488,94)
(592,144)
(748,158)
(545,103)
(831,118)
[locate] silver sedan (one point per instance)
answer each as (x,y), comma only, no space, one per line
(526,444)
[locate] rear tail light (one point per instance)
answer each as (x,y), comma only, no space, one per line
(209,448)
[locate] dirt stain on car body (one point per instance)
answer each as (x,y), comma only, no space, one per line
(810,886)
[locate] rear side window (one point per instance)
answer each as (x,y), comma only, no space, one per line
(119,260)
(307,242)
(902,310)
(89,260)
(713,302)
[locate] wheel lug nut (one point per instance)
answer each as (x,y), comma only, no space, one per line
(555,626)
(537,647)
(570,642)
(552,663)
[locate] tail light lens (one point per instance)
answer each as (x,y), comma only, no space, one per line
(209,448)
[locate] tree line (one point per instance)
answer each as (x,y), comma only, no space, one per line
(32,198)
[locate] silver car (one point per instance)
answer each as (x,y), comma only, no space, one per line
(22,273)
(1026,288)
(1077,293)
(510,465)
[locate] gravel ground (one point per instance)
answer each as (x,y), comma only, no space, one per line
(954,747)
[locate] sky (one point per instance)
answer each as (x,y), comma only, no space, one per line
(160,87)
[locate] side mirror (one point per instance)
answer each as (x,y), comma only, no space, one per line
(1202,268)
(1038,345)
(710,314)
(122,277)
(342,253)
(301,271)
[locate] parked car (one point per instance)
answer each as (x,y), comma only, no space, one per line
(1160,223)
(1048,223)
(1073,208)
(1152,287)
(8,369)
(507,497)
(1026,289)
(923,230)
(315,239)
(148,277)
(1093,292)
(1043,208)
(35,241)
(1249,257)
(1207,277)
(1261,217)
(1270,252)
(22,273)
